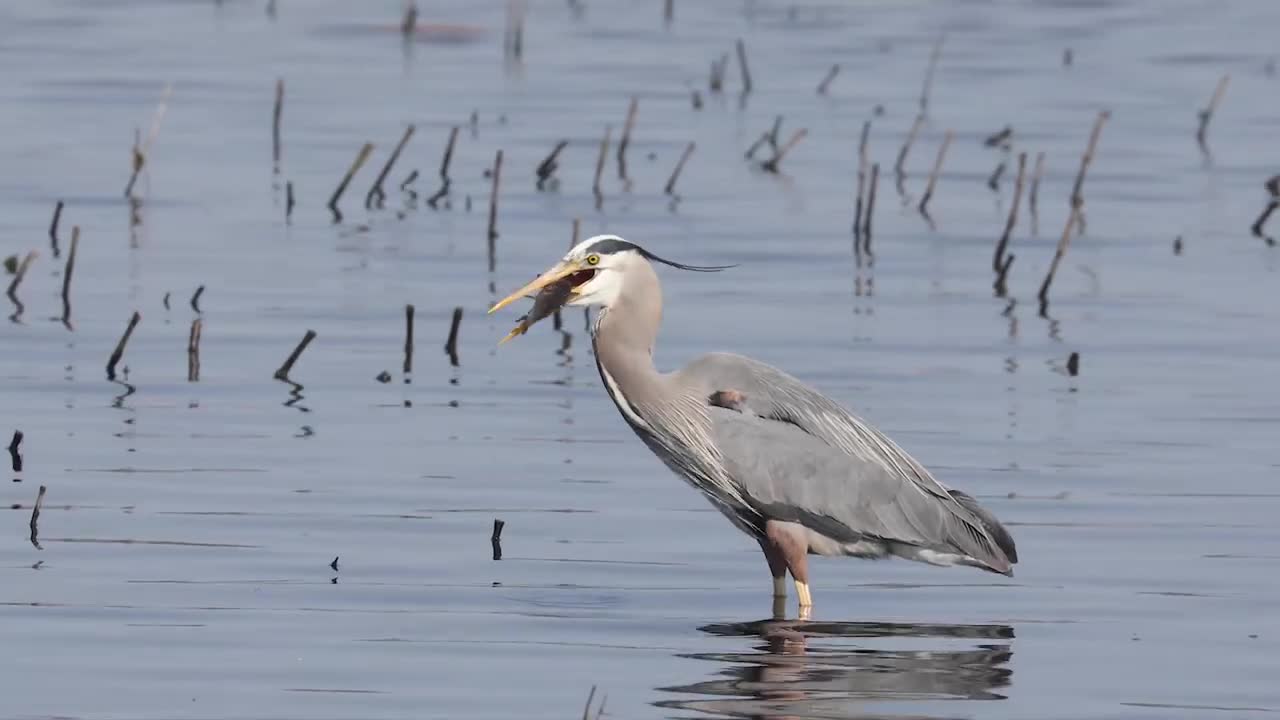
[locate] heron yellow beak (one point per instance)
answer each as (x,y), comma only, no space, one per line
(560,271)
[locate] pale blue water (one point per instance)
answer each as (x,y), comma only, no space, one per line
(188,527)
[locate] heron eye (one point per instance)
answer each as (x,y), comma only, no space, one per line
(593,259)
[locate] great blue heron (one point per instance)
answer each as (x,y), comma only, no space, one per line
(787,465)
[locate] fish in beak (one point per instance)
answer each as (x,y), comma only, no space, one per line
(550,291)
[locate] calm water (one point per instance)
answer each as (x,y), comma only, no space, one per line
(185,541)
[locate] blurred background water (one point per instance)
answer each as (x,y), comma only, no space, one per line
(184,546)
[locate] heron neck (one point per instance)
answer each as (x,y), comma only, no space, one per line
(625,334)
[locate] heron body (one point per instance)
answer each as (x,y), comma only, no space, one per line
(785,464)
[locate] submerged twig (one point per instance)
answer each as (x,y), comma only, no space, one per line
(997,260)
(1035,189)
(282,373)
(742,66)
(1206,114)
(376,194)
(625,140)
(923,207)
(600,160)
(871,206)
(451,344)
(1061,250)
(276,114)
(444,169)
(675,174)
(1077,196)
(928,74)
(493,201)
(35,517)
(124,340)
(356,164)
(548,167)
(408,339)
(771,165)
(825,85)
(496,538)
(193,351)
(66,275)
(53,229)
(906,145)
(15,456)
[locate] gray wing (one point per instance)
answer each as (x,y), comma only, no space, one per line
(801,457)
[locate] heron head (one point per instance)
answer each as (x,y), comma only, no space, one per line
(594,271)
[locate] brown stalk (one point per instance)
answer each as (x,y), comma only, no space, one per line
(1206,114)
(356,164)
(66,276)
(604,152)
(275,124)
(444,167)
(35,517)
(376,193)
(1058,254)
(675,174)
(282,373)
(124,340)
(871,206)
(933,176)
(1077,196)
(493,207)
(53,229)
(193,351)
(408,339)
(997,261)
(451,345)
(825,85)
(742,66)
(625,140)
(772,164)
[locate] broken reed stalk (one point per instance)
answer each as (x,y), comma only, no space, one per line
(275,124)
(772,135)
(451,345)
(718,68)
(282,373)
(548,167)
(1207,114)
(742,66)
(625,140)
(14,456)
(1077,197)
(1256,228)
(34,525)
(871,206)
(138,160)
(288,200)
(53,229)
(862,184)
(604,152)
(193,351)
(933,176)
(751,151)
(124,340)
(1063,242)
(20,273)
(376,193)
(195,298)
(675,174)
(356,164)
(906,145)
(408,339)
(66,275)
(825,85)
(1001,286)
(444,168)
(997,260)
(993,182)
(772,164)
(1035,185)
(493,203)
(928,74)
(496,538)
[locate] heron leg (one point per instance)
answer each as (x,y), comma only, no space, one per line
(777,567)
(791,542)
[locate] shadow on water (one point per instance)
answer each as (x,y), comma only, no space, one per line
(847,669)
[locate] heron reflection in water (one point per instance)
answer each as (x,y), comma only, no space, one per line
(847,670)
(785,464)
